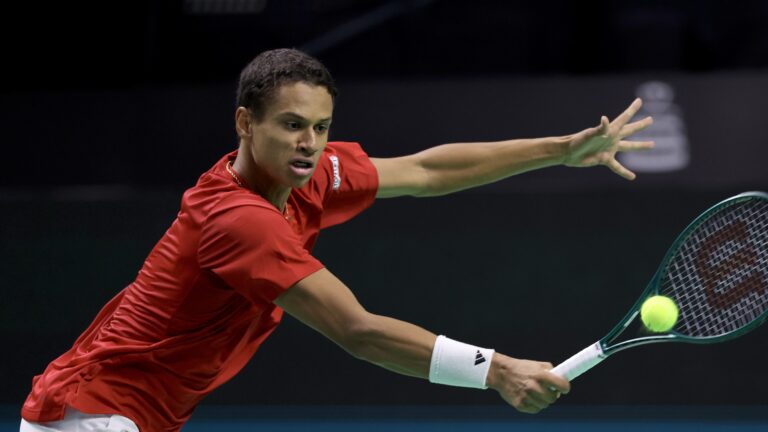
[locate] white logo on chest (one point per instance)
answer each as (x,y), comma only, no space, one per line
(336,175)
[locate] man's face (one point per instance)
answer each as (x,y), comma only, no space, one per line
(287,142)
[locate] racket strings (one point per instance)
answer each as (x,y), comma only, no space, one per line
(719,274)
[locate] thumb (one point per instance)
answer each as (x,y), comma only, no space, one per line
(604,124)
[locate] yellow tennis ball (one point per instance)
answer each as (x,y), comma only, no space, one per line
(659,313)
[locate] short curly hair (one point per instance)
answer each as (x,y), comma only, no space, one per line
(261,78)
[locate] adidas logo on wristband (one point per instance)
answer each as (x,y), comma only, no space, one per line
(458,364)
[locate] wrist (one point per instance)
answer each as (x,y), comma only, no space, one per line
(458,364)
(560,148)
(495,370)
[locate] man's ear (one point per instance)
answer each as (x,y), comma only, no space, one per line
(243,122)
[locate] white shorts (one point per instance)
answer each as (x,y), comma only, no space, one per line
(75,421)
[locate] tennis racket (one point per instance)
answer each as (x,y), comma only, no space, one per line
(716,271)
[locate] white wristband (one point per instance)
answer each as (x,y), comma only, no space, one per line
(458,364)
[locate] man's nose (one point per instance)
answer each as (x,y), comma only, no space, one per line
(308,142)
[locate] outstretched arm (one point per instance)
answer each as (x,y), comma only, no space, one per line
(452,167)
(324,303)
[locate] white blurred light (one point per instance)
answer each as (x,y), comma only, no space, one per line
(671,152)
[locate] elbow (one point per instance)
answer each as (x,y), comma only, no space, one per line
(429,184)
(424,179)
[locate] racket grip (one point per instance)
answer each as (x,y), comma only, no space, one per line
(580,362)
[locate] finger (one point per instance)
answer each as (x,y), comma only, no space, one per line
(630,112)
(546,365)
(548,395)
(600,129)
(555,393)
(619,169)
(635,127)
(555,383)
(535,404)
(604,125)
(542,400)
(635,145)
(540,391)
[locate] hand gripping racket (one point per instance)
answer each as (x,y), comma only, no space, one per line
(717,273)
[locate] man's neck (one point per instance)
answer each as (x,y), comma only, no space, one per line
(259,181)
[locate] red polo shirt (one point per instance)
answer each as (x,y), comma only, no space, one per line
(202,303)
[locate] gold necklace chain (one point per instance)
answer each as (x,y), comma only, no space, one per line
(233,174)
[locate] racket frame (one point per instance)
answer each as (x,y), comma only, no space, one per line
(595,353)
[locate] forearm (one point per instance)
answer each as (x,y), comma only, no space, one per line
(404,348)
(410,350)
(324,303)
(395,345)
(453,167)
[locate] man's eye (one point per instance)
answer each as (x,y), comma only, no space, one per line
(292,125)
(321,128)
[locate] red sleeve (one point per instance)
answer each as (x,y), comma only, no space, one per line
(255,251)
(349,182)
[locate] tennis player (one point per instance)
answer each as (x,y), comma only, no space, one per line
(239,254)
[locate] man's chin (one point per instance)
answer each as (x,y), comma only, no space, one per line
(298,182)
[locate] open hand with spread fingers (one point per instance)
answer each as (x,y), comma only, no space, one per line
(599,145)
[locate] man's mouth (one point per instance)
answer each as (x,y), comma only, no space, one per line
(302,164)
(302,167)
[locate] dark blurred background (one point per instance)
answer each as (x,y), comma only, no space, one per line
(111,109)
